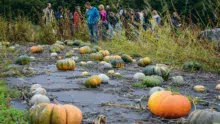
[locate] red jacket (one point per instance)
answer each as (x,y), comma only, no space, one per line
(77,19)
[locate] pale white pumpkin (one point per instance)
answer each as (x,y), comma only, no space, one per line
(53,54)
(39,90)
(199,88)
(85,73)
(217,87)
(177,80)
(104,78)
(34,87)
(139,76)
(111,72)
(39,98)
(108,66)
(154,90)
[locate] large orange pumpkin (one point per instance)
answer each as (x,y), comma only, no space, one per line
(168,105)
(36,49)
(55,114)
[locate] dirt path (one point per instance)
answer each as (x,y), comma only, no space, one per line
(67,87)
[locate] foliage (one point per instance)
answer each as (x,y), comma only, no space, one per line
(9,114)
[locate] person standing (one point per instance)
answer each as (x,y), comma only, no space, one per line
(77,19)
(175,19)
(103,22)
(92,20)
(156,20)
(48,14)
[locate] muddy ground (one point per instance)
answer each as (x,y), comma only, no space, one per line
(67,87)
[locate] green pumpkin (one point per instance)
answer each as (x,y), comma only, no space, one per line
(94,50)
(126,58)
(160,70)
(154,90)
(22,60)
(204,117)
(192,66)
(96,56)
(117,63)
(77,43)
(69,43)
(55,49)
(69,54)
(84,44)
(59,42)
(97,48)
(151,81)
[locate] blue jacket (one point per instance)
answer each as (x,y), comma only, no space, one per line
(92,15)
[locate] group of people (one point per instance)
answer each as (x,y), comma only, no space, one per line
(102,19)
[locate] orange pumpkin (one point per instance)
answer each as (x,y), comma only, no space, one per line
(85,50)
(168,105)
(93,81)
(55,114)
(36,49)
(59,57)
(60,46)
(104,52)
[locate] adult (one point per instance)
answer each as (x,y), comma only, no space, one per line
(92,20)
(175,19)
(103,22)
(48,14)
(156,20)
(59,13)
(77,19)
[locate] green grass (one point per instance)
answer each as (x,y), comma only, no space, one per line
(10,115)
(164,47)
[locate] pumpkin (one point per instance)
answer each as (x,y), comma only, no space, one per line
(108,66)
(117,63)
(94,50)
(204,117)
(102,62)
(217,87)
(69,54)
(178,80)
(85,73)
(199,88)
(59,42)
(93,81)
(77,43)
(159,69)
(55,114)
(144,62)
(53,54)
(90,63)
(192,66)
(39,90)
(85,50)
(126,58)
(55,49)
(151,81)
(117,74)
(39,98)
(75,58)
(104,52)
(69,43)
(97,48)
(83,63)
(169,105)
(139,76)
(5,43)
(111,72)
(109,58)
(154,90)
(22,60)
(84,44)
(32,58)
(34,87)
(60,46)
(96,56)
(66,64)
(104,78)
(12,48)
(59,57)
